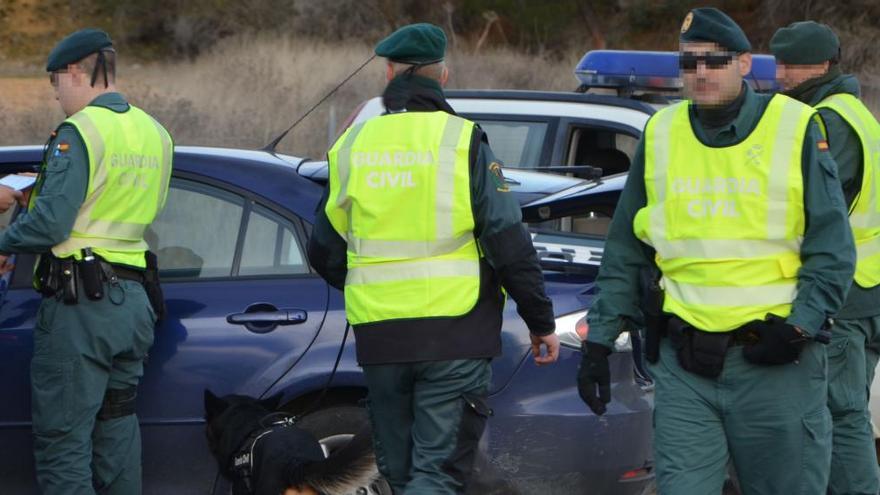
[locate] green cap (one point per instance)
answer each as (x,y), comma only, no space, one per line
(417,44)
(805,43)
(708,24)
(76,47)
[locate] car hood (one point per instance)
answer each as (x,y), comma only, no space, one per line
(575,199)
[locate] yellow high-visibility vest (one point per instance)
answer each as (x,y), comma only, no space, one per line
(864,217)
(726,222)
(400,196)
(130,156)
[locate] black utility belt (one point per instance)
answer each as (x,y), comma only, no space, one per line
(62,277)
(702,352)
(677,328)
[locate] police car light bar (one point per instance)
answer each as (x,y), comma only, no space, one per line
(631,71)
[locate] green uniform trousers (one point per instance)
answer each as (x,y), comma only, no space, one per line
(427,419)
(772,421)
(852,357)
(80,352)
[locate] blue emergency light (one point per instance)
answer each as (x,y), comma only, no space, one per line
(631,71)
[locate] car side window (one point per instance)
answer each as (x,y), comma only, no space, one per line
(516,144)
(196,233)
(271,246)
(609,150)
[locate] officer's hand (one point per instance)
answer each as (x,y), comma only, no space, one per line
(778,343)
(5,265)
(595,373)
(551,342)
(24,198)
(8,198)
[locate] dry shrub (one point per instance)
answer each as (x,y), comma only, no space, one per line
(246,90)
(32,115)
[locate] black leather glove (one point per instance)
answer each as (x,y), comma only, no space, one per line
(595,372)
(778,342)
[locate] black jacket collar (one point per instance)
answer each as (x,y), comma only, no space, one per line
(414,93)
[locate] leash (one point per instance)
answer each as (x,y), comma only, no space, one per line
(317,403)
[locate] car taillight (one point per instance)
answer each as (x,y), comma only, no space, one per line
(634,475)
(572,329)
(582,328)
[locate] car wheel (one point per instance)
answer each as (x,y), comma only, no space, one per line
(334,427)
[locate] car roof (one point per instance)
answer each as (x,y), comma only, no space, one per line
(272,176)
(538,104)
(556,96)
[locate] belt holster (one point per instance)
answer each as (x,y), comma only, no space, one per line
(655,329)
(92,276)
(48,276)
(152,286)
(655,319)
(57,277)
(68,281)
(698,352)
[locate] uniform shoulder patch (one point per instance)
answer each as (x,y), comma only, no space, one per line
(61,148)
(498,177)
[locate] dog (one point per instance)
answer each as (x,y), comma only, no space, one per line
(263,452)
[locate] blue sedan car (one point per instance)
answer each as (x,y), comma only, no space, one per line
(248,315)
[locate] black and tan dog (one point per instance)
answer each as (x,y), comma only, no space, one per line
(264,453)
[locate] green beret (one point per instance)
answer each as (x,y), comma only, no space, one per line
(708,24)
(417,44)
(805,43)
(76,47)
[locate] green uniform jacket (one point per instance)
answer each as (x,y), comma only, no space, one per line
(827,252)
(63,184)
(846,149)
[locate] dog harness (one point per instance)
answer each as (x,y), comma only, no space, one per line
(243,460)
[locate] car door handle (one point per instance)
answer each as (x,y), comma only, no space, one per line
(278,317)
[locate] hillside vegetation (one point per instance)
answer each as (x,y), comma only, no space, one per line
(232,73)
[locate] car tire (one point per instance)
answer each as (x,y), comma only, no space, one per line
(334,427)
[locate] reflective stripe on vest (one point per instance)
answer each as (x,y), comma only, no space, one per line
(400,197)
(130,156)
(864,215)
(726,223)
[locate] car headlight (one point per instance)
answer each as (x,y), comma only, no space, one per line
(572,329)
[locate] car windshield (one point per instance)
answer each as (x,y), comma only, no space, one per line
(520,143)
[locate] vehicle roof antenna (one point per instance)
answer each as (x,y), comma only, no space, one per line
(271,146)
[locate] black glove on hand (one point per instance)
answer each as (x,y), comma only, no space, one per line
(593,372)
(778,343)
